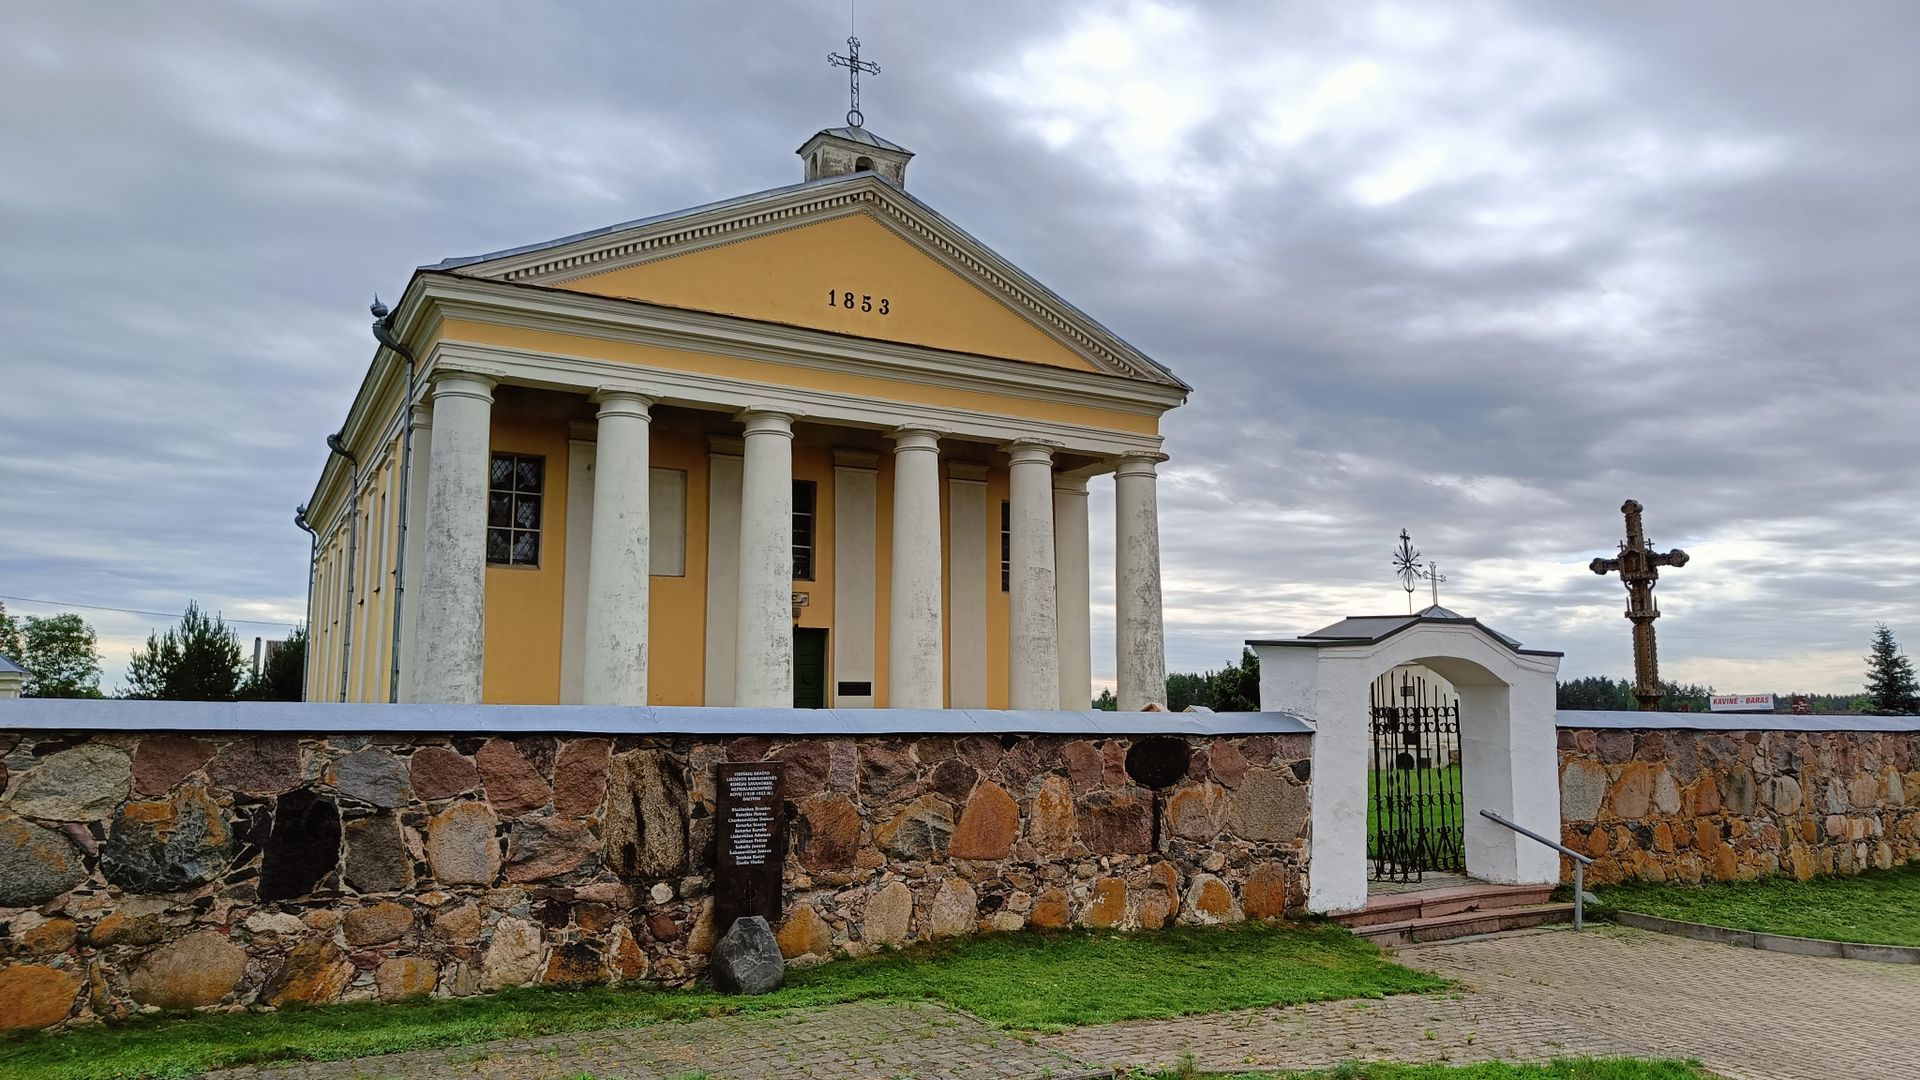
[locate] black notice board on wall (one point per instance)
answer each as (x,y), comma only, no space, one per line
(750,841)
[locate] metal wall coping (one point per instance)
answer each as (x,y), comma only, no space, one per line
(1682,721)
(243,717)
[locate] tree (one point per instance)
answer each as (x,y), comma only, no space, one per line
(1234,688)
(1106,702)
(60,654)
(199,661)
(1891,687)
(1596,692)
(1185,688)
(281,674)
(10,644)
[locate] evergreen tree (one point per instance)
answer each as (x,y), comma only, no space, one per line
(1596,692)
(60,653)
(198,661)
(281,674)
(1891,688)
(1236,687)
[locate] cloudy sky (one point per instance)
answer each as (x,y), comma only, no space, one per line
(1477,270)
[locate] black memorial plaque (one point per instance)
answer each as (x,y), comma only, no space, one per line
(750,840)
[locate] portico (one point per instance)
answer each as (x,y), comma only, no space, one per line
(1048,652)
(640,479)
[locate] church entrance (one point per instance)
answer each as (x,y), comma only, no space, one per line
(809,668)
(1416,814)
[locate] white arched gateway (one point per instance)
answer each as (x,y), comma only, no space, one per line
(1506,739)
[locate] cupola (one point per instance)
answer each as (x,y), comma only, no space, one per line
(842,150)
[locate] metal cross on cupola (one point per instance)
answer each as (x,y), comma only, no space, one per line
(1639,567)
(854,66)
(1406,567)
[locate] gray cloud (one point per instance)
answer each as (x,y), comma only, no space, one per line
(1481,272)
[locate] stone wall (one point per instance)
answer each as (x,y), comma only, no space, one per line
(1685,805)
(161,871)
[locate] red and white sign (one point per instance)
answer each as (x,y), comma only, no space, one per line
(1742,703)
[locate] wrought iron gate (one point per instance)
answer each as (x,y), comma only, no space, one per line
(1415,813)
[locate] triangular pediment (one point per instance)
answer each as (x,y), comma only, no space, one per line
(851,255)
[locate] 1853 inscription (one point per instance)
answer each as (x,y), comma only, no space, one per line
(872,305)
(750,841)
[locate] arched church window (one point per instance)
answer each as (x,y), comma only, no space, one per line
(864,164)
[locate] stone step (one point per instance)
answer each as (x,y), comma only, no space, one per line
(1465,924)
(1428,903)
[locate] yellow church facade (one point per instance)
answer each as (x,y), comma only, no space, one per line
(813,446)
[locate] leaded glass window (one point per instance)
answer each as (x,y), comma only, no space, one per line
(516,485)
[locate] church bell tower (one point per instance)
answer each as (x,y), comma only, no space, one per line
(853,149)
(843,150)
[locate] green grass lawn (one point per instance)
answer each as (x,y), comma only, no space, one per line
(1877,908)
(1025,981)
(1570,1069)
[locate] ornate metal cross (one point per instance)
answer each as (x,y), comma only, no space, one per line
(1406,567)
(1639,567)
(854,66)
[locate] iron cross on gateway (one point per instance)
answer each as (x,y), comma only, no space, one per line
(1639,566)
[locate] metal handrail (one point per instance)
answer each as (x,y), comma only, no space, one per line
(1580,863)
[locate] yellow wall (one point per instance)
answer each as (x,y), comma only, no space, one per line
(786,277)
(524,603)
(999,604)
(677,606)
(767,373)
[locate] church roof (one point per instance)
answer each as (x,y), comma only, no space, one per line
(8,667)
(458,261)
(862,135)
(892,190)
(1368,629)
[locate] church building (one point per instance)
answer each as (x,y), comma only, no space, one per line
(814,446)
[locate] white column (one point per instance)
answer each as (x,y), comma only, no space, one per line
(723,565)
(967,583)
(420,418)
(1140,654)
(1033,668)
(1074,592)
(856,498)
(453,563)
(763,637)
(915,659)
(619,553)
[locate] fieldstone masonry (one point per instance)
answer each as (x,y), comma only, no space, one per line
(1658,805)
(163,871)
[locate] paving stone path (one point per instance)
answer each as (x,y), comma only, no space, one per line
(1532,996)
(1746,1015)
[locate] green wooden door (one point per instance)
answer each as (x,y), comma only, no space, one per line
(809,669)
